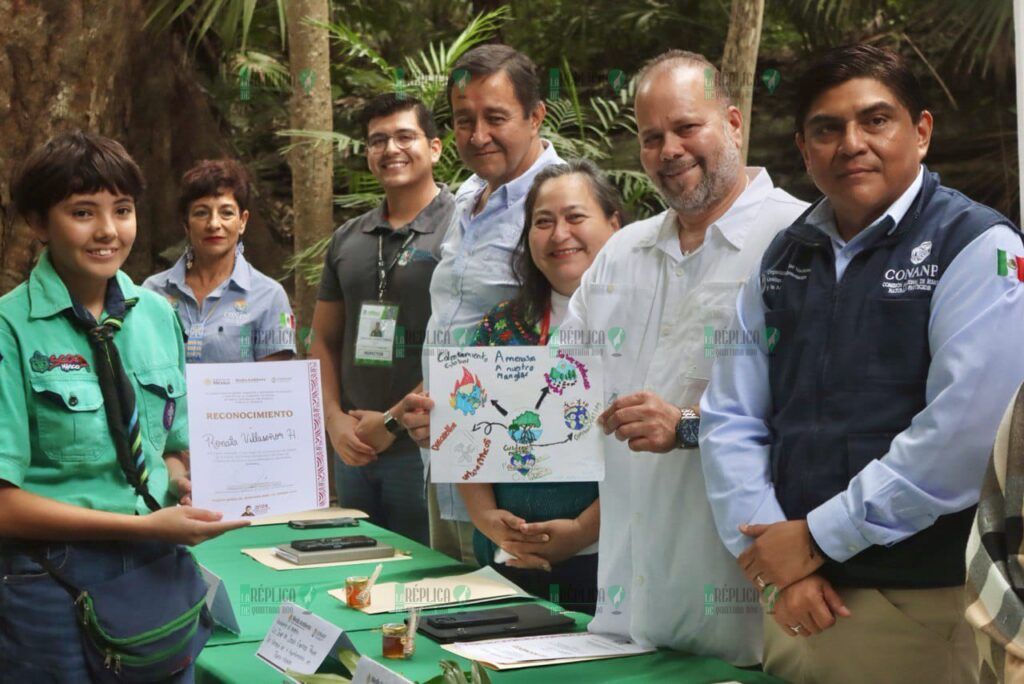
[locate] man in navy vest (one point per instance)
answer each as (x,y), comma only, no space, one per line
(844,458)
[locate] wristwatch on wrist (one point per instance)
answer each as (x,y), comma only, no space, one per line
(687,429)
(391,423)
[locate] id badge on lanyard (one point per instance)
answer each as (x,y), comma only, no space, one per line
(375,336)
(378,321)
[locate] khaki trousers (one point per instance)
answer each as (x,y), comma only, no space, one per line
(451,537)
(893,635)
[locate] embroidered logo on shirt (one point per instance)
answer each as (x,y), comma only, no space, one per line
(173,301)
(771,280)
(771,338)
(241,305)
(922,277)
(1007,264)
(920,253)
(287,321)
(66,362)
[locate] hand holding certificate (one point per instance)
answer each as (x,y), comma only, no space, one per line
(256,436)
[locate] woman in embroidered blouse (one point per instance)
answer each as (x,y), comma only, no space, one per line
(543,536)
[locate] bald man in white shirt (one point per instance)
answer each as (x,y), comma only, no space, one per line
(663,291)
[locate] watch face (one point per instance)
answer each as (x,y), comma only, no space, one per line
(391,424)
(687,432)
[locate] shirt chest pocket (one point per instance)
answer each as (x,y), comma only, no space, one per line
(158,401)
(706,329)
(71,422)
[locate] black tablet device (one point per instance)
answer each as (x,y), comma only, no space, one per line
(526,620)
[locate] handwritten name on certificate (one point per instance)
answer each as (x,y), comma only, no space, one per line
(256,437)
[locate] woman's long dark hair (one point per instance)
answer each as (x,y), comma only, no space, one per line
(534,289)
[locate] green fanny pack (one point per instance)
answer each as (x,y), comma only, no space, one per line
(145,625)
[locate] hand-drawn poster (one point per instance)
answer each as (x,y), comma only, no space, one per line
(515,414)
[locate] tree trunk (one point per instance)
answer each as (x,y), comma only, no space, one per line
(312,165)
(89,64)
(739,60)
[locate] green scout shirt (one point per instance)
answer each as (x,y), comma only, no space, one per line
(54,438)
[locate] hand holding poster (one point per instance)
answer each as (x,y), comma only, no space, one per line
(515,414)
(256,437)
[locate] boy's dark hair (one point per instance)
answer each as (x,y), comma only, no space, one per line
(484,60)
(213,177)
(387,104)
(534,288)
(841,64)
(70,163)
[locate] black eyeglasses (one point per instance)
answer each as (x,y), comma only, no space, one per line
(403,141)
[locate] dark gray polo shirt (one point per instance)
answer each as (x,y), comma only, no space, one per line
(350,274)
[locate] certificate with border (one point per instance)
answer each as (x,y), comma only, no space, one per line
(256,438)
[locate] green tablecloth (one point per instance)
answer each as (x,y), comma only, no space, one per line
(256,593)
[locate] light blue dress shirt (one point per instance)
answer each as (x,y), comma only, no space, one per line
(474,275)
(936,465)
(245,318)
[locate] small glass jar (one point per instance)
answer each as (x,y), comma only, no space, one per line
(396,642)
(355,592)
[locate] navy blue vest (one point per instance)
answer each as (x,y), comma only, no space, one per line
(848,363)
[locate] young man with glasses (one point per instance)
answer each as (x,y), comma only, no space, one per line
(371,313)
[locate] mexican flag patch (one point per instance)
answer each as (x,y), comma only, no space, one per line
(1007,264)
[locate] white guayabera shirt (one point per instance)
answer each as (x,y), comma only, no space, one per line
(664,576)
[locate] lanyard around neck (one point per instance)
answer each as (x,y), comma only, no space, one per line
(384,273)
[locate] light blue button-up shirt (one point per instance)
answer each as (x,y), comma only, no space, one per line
(474,275)
(245,318)
(936,465)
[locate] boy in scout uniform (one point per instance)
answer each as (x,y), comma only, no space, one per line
(92,411)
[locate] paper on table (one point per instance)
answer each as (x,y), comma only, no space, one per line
(274,562)
(479,586)
(299,640)
(507,654)
(315,514)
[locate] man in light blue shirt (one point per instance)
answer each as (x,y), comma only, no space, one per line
(844,458)
(497,113)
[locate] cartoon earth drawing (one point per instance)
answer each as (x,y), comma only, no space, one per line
(577,415)
(523,463)
(468,395)
(525,428)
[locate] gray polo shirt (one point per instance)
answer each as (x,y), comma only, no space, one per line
(350,274)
